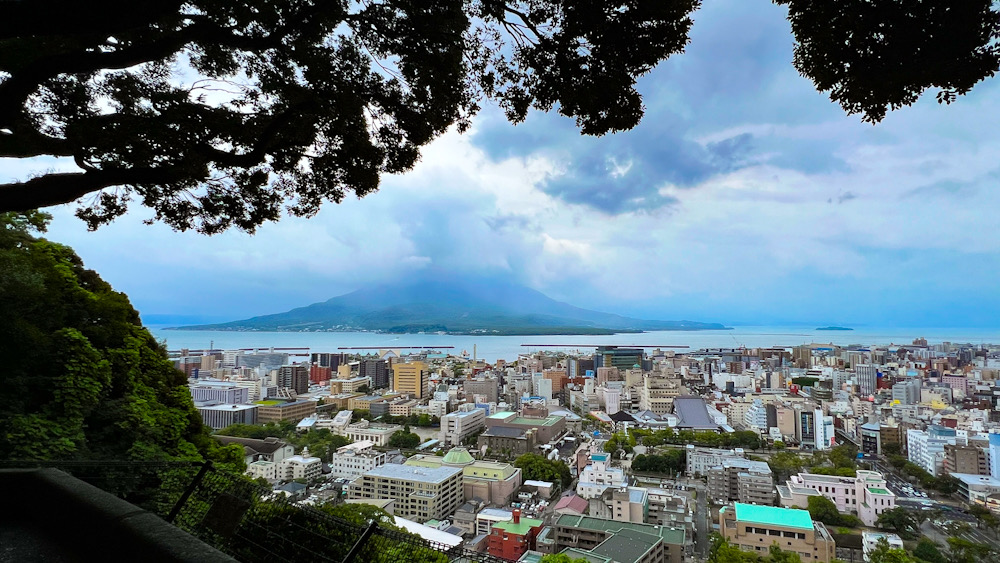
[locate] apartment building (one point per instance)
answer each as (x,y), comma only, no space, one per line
(622,504)
(972,459)
(754,528)
(354,460)
(926,448)
(458,425)
(667,508)
(421,493)
(511,539)
(700,460)
(598,476)
(295,377)
(741,480)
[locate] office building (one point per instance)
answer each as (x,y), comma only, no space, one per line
(867,378)
(754,528)
(274,410)
(421,493)
(907,392)
(971,459)
(459,425)
(995,455)
(410,379)
(220,415)
(365,431)
(375,370)
(489,388)
(220,391)
(621,358)
(926,447)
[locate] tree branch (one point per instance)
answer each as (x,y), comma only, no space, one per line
(65,187)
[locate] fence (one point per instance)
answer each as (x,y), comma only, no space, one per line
(250,522)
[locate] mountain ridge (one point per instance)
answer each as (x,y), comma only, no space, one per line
(459,306)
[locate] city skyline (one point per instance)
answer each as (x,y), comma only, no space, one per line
(744,196)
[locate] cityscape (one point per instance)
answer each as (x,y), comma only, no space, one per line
(628,454)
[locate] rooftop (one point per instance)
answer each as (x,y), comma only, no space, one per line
(626,545)
(674,536)
(501,415)
(521,528)
(415,473)
(773,516)
(879,491)
(547,421)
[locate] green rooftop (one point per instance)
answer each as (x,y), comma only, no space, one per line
(519,529)
(879,491)
(270,403)
(773,515)
(674,536)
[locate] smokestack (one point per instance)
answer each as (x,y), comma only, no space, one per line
(517,516)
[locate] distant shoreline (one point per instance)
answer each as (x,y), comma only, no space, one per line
(518,331)
(834,328)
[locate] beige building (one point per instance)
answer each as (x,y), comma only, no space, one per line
(421,493)
(410,379)
(624,504)
(275,410)
(490,481)
(755,528)
(741,480)
(658,393)
(972,459)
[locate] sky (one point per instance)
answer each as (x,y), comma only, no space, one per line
(744,197)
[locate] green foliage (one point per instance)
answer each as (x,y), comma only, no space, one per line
(672,462)
(961,550)
(560,558)
(534,466)
(82,378)
(721,551)
(900,521)
(785,463)
(740,439)
(419,420)
(404,439)
(320,98)
(885,554)
(928,551)
(825,510)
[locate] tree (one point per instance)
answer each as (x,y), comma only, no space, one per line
(878,56)
(784,463)
(404,439)
(560,558)
(927,550)
(536,467)
(885,554)
(215,114)
(900,520)
(961,550)
(82,378)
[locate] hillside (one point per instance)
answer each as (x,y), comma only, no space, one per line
(459,306)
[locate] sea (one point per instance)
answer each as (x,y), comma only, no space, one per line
(491,348)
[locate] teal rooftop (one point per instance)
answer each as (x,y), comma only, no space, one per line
(773,515)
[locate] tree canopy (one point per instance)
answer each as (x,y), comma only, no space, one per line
(215,114)
(218,114)
(536,467)
(82,378)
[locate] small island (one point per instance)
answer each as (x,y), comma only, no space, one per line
(834,328)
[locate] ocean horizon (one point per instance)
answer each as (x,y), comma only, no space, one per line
(491,348)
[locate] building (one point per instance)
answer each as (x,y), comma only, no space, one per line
(487,517)
(741,480)
(268,449)
(489,481)
(508,442)
(926,447)
(410,379)
(621,358)
(756,417)
(459,425)
(870,438)
(622,504)
(692,414)
(301,466)
(511,539)
(275,410)
(295,377)
(421,493)
(377,371)
(598,476)
(755,528)
(870,541)
(658,393)
(865,494)
(595,539)
(220,415)
(546,427)
(489,388)
(668,508)
(907,392)
(867,378)
(972,460)
(354,460)
(365,431)
(221,392)
(976,489)
(995,456)
(700,460)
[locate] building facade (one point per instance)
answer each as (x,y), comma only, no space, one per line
(410,379)
(421,493)
(755,528)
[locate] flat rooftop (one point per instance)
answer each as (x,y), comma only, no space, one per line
(415,473)
(773,516)
(674,536)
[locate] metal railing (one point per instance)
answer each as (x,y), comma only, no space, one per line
(250,522)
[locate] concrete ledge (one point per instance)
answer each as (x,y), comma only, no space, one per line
(82,519)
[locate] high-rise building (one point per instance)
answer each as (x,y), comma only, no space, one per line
(867,376)
(377,370)
(410,378)
(995,456)
(331,361)
(295,377)
(907,392)
(621,358)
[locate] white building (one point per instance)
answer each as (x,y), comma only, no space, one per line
(263,470)
(221,391)
(597,476)
(301,466)
(353,460)
(755,417)
(825,432)
(220,415)
(460,424)
(867,378)
(995,456)
(363,430)
(870,540)
(926,447)
(700,460)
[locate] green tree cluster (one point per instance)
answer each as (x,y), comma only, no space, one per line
(536,467)
(82,378)
(421,420)
(671,462)
(747,439)
(824,510)
(928,551)
(321,442)
(902,521)
(945,483)
(404,439)
(961,550)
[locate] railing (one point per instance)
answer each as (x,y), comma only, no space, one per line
(240,517)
